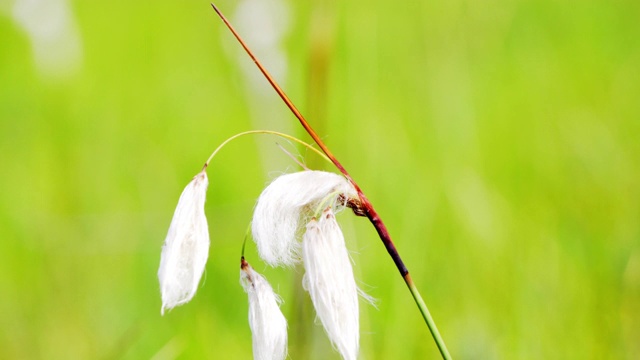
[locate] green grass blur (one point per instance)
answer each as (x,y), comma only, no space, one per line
(499,141)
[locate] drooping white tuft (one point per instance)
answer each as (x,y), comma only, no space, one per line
(329,280)
(281,206)
(186,248)
(268,325)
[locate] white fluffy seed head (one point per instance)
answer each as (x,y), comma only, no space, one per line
(284,203)
(186,248)
(268,325)
(329,280)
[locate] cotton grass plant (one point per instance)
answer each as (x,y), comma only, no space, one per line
(268,325)
(280,208)
(330,282)
(186,248)
(294,220)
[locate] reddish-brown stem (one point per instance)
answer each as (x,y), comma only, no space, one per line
(370,212)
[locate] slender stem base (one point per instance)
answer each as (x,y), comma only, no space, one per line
(427,317)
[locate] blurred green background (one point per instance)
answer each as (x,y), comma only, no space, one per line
(499,141)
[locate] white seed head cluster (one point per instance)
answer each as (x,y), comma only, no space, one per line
(186,247)
(291,200)
(281,207)
(268,325)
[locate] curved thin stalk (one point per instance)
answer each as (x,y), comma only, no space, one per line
(288,137)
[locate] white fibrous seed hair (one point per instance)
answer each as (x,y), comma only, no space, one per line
(284,203)
(186,248)
(268,325)
(330,282)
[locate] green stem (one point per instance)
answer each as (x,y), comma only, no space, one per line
(323,203)
(246,235)
(427,317)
